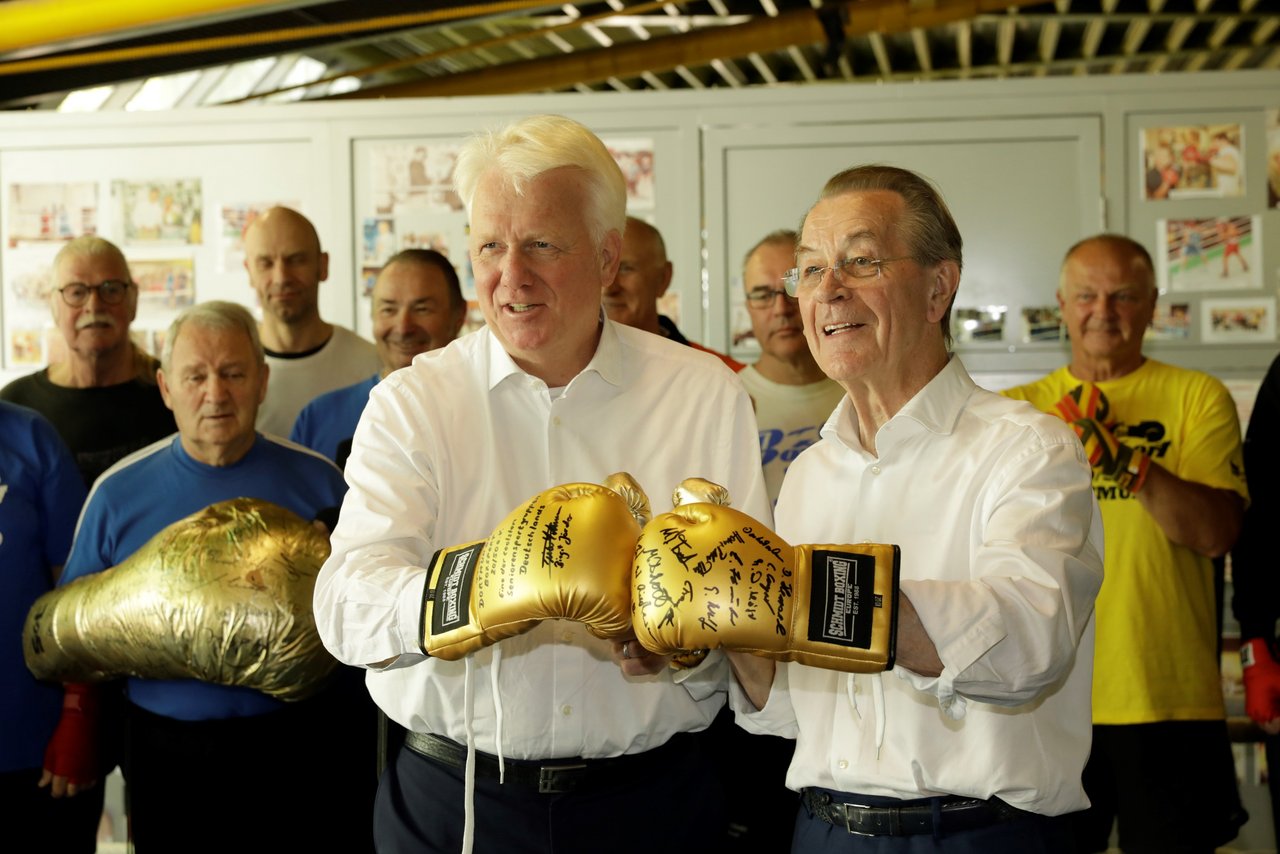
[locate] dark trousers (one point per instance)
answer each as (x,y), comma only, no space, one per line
(760,809)
(1030,834)
(671,808)
(55,825)
(1171,786)
(299,779)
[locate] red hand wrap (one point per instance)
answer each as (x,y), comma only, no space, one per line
(72,751)
(1261,681)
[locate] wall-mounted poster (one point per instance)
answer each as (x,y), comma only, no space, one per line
(27,275)
(635,158)
(1170,322)
(1210,254)
(985,323)
(1273,158)
(165,211)
(164,284)
(1192,161)
(1238,321)
(51,213)
(413,176)
(1043,323)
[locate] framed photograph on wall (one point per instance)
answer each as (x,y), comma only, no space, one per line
(1238,321)
(1171,322)
(1220,253)
(1192,161)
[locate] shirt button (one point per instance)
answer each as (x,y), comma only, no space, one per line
(875,469)
(857,689)
(566,710)
(566,636)
(842,764)
(556,421)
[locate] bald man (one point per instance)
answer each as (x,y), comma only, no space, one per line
(307,356)
(1168,473)
(643,277)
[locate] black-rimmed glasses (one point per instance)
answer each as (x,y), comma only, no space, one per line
(111,292)
(857,267)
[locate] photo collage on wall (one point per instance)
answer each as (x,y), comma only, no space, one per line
(156,223)
(1208,265)
(159,224)
(412,204)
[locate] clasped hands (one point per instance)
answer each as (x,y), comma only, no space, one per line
(700,577)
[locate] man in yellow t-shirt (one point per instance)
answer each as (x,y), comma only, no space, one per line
(1169,476)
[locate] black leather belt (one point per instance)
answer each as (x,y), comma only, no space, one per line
(917,817)
(549,776)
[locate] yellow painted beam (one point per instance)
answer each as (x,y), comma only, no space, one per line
(28,24)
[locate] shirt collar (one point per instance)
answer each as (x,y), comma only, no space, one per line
(607,360)
(936,407)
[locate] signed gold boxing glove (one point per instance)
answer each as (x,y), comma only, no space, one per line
(709,576)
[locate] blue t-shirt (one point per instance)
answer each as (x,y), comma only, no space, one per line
(327,423)
(160,484)
(41,492)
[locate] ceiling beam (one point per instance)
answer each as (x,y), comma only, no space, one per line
(30,27)
(789,29)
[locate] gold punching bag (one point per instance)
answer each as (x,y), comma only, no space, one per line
(223,596)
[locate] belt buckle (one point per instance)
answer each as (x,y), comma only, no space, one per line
(547,777)
(891,826)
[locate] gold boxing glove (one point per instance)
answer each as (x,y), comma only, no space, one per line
(564,554)
(223,596)
(709,576)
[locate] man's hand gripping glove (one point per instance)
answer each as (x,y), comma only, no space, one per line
(709,576)
(1086,409)
(563,554)
(1261,681)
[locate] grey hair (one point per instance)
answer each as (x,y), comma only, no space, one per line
(88,246)
(1121,242)
(780,237)
(931,232)
(214,314)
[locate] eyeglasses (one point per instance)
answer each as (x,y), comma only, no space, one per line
(762,297)
(857,267)
(111,292)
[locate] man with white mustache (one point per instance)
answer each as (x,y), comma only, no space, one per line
(104,402)
(102,398)
(1168,471)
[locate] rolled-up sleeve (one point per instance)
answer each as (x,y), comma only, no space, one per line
(1012,631)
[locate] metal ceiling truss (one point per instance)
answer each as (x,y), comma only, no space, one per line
(437,48)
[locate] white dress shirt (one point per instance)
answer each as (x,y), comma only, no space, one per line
(1001,544)
(444,451)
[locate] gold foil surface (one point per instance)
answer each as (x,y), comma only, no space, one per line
(633,493)
(699,490)
(223,596)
